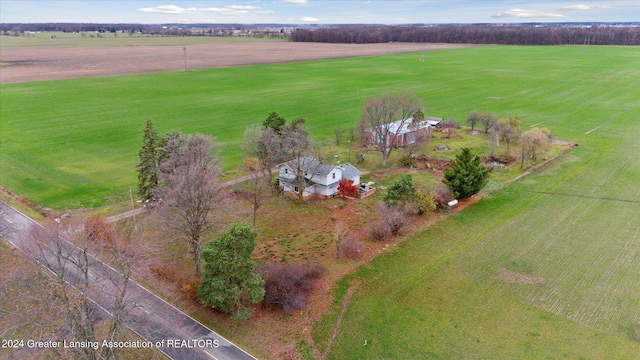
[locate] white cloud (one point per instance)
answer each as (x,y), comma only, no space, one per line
(584,7)
(309,19)
(243,7)
(296,1)
(522,13)
(233,10)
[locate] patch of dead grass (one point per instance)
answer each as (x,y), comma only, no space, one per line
(511,277)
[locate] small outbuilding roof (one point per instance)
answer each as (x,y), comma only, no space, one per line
(434,121)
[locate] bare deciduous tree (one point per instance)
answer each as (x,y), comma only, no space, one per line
(306,157)
(534,142)
(189,191)
(488,120)
(266,145)
(255,189)
(81,282)
(508,130)
(473,119)
(386,116)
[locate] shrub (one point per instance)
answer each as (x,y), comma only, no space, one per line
(287,286)
(395,220)
(165,272)
(379,231)
(391,221)
(425,201)
(98,231)
(406,161)
(450,124)
(442,196)
(401,192)
(190,289)
(349,248)
(346,188)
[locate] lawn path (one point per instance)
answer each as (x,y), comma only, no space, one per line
(345,304)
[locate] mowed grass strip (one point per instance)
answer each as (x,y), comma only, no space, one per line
(76,141)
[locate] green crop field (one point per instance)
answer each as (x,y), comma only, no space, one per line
(548,267)
(73,142)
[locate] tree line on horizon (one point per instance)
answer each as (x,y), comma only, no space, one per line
(481,34)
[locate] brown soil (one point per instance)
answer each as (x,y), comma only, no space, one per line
(27,64)
(510,277)
(432,165)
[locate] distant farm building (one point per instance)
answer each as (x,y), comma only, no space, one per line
(401,133)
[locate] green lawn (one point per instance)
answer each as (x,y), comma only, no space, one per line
(572,228)
(72,142)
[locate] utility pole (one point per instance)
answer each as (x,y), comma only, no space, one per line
(135,225)
(184,47)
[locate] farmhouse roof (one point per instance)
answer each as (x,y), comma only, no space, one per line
(311,164)
(349,171)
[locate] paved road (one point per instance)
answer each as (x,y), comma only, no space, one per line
(153,319)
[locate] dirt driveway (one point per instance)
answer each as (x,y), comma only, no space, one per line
(28,64)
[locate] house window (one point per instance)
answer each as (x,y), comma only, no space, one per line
(286,171)
(295,189)
(334,175)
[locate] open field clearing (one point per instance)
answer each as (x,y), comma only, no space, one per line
(545,268)
(21,64)
(58,39)
(571,288)
(72,142)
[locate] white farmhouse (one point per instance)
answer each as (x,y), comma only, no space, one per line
(314,178)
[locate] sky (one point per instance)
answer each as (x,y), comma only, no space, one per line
(317,11)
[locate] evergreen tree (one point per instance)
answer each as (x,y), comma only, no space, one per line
(229,280)
(276,122)
(402,191)
(468,175)
(149,161)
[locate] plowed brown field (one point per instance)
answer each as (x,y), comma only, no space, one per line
(28,64)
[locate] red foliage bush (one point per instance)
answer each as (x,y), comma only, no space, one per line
(346,188)
(287,286)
